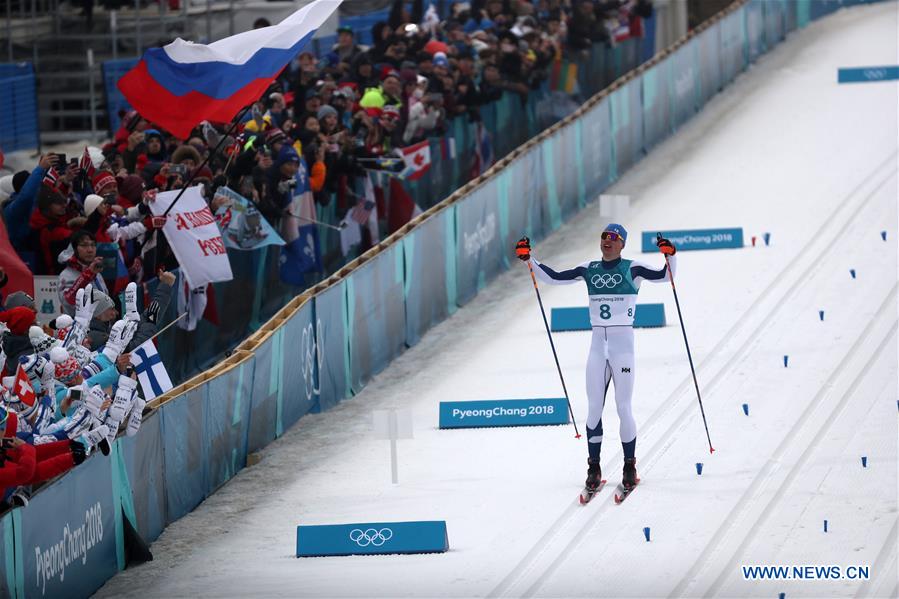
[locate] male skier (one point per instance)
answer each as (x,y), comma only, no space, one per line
(612,284)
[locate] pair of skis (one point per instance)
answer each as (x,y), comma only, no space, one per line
(621,493)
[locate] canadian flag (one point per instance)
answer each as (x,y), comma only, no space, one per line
(22,387)
(417,159)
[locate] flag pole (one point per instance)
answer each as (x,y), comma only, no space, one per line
(166,327)
(234,123)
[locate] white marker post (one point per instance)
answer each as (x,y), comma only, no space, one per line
(614,207)
(393,424)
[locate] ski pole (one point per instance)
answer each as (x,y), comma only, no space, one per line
(687,344)
(577,435)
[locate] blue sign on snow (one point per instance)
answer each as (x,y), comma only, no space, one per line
(867,74)
(371,538)
(503,412)
(697,239)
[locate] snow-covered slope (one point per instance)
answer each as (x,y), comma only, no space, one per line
(783,150)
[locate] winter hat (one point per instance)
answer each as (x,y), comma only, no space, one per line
(440,60)
(19,298)
(40,341)
(287,154)
(186,152)
(67,368)
(97,157)
(151,133)
(91,203)
(18,180)
(6,185)
(326,110)
(18,319)
(102,180)
(274,136)
(131,187)
(48,196)
(104,302)
(618,230)
(58,354)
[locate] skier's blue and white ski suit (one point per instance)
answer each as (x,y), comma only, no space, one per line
(612,287)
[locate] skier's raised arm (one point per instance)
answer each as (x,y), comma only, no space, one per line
(545,273)
(644,272)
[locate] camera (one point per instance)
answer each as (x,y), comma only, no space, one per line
(178,169)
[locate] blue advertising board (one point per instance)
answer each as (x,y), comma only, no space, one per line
(68,534)
(868,74)
(696,239)
(503,412)
(578,318)
(372,538)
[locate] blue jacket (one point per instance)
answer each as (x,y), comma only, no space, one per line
(18,210)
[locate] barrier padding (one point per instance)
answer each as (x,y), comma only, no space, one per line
(503,412)
(578,318)
(372,538)
(696,239)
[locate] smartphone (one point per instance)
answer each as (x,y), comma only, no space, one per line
(178,169)
(7,442)
(60,159)
(75,395)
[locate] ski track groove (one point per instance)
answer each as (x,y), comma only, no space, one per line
(886,554)
(531,559)
(754,490)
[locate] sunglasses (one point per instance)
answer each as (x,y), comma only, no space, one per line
(610,235)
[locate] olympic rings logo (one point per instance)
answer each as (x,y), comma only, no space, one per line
(370,536)
(875,74)
(606,280)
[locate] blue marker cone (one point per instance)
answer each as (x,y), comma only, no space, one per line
(825,526)
(821,314)
(746,409)
(786,358)
(883,234)
(852,272)
(767,238)
(864,461)
(699,468)
(646,533)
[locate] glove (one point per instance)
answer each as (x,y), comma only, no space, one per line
(94,400)
(78,452)
(523,249)
(121,404)
(137,415)
(85,306)
(119,337)
(152,312)
(666,247)
(131,312)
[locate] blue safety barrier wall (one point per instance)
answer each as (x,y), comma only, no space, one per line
(18,107)
(327,343)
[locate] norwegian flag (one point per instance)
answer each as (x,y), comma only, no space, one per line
(417,159)
(86,164)
(22,387)
(52,177)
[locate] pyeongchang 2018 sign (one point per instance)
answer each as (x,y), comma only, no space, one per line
(696,239)
(505,412)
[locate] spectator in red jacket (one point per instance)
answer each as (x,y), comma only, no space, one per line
(52,227)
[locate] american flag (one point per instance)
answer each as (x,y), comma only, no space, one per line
(86,164)
(362,211)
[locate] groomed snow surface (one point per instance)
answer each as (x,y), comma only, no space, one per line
(784,150)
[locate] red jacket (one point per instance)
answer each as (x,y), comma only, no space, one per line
(53,237)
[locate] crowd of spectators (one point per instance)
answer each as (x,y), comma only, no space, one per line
(323,125)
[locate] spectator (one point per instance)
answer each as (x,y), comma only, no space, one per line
(82,267)
(52,226)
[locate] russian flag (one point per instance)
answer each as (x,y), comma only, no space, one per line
(181,84)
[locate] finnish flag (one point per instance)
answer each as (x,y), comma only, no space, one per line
(151,373)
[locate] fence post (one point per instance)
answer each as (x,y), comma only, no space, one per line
(90,82)
(113,27)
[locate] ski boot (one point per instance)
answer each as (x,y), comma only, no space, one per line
(629,476)
(594,475)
